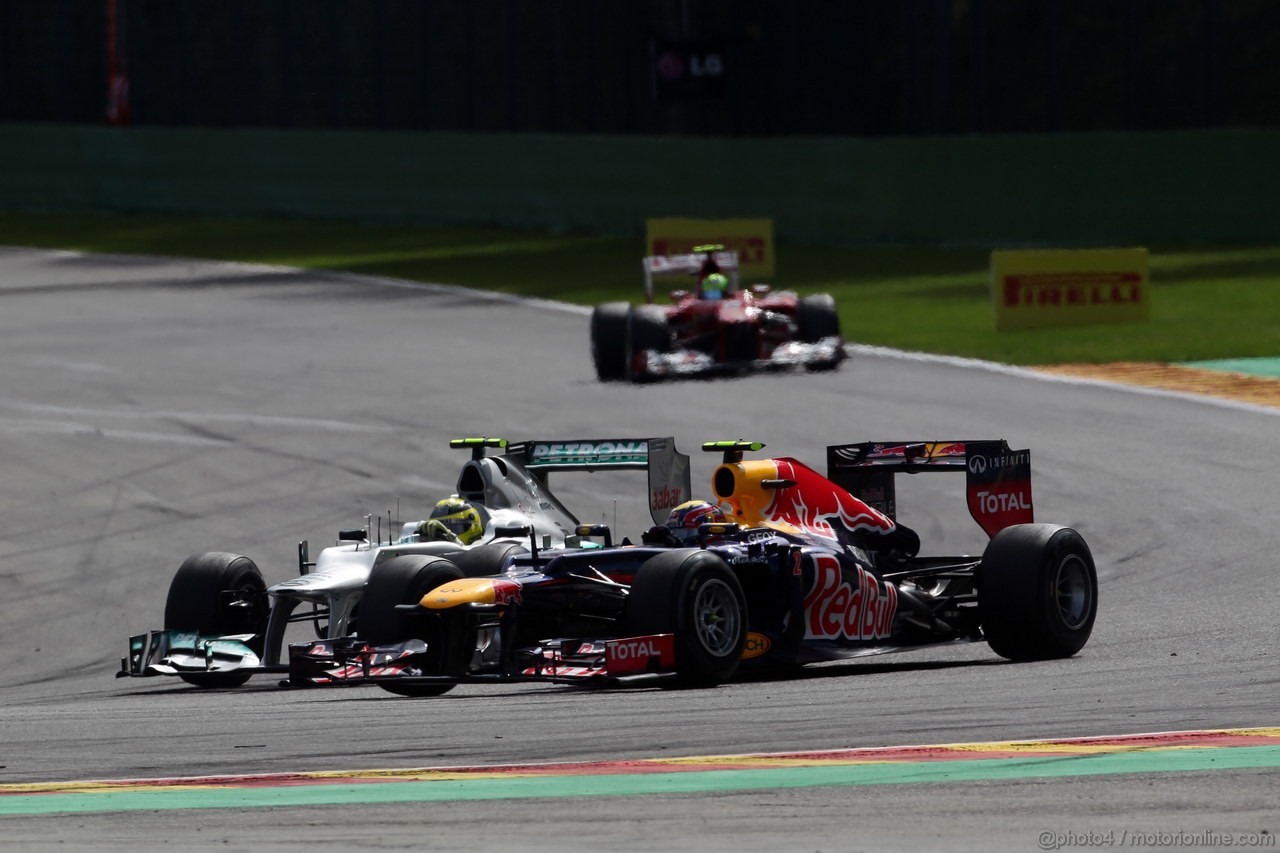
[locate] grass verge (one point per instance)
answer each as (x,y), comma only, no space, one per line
(1208,302)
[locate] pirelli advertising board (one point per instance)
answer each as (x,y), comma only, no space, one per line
(1069,287)
(752,239)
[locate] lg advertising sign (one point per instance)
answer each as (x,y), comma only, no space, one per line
(688,69)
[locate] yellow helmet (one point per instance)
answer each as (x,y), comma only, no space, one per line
(462,519)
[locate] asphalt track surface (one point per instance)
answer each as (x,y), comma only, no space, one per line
(150,409)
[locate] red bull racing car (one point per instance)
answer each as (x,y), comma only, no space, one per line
(799,568)
(713,327)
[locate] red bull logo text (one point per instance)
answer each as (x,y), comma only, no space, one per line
(838,610)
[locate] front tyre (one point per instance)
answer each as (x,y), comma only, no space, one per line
(1037,592)
(816,320)
(218,594)
(404,580)
(696,596)
(609,340)
(647,330)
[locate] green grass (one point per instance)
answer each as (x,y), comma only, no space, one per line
(1207,303)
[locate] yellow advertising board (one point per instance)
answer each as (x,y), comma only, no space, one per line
(752,239)
(1069,287)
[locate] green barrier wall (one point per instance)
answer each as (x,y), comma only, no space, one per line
(1065,189)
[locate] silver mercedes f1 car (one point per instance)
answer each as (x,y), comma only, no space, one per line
(223,624)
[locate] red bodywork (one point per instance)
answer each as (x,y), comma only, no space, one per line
(743,326)
(713,329)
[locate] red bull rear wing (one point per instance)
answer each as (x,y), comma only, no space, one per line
(998,479)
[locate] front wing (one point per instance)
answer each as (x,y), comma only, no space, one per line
(189,653)
(351,660)
(688,362)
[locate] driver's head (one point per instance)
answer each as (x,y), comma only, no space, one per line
(714,286)
(462,519)
(684,520)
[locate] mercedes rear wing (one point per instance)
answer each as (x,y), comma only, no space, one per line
(665,265)
(668,468)
(998,479)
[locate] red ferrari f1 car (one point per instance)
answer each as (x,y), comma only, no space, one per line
(791,567)
(713,327)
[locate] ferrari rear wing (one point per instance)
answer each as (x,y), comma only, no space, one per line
(668,468)
(998,479)
(664,265)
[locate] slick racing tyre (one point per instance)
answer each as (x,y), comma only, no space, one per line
(609,340)
(816,318)
(218,594)
(696,596)
(488,559)
(646,330)
(404,580)
(1037,592)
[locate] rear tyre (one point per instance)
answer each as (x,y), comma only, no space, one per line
(647,329)
(609,340)
(696,596)
(218,594)
(816,318)
(404,580)
(1037,592)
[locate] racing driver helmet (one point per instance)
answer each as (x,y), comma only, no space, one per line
(462,519)
(714,286)
(686,518)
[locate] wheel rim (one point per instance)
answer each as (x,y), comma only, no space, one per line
(241,608)
(1073,593)
(716,618)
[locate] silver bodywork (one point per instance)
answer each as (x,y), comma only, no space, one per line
(512,495)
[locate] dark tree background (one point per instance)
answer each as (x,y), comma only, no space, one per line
(740,67)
